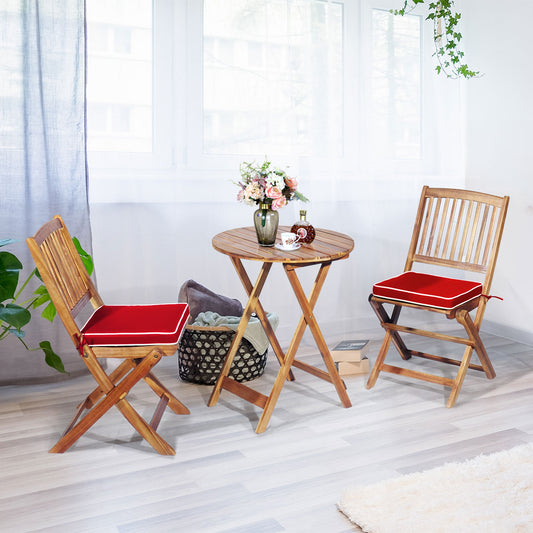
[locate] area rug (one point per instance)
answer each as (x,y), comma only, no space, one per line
(488,494)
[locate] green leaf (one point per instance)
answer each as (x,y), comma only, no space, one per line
(38,275)
(10,268)
(40,301)
(85,257)
(51,358)
(49,312)
(14,315)
(41,289)
(300,196)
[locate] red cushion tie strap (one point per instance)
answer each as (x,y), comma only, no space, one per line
(82,341)
(488,297)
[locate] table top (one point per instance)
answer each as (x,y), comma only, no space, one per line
(242,243)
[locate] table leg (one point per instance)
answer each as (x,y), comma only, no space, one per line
(307,308)
(245,280)
(248,310)
(307,319)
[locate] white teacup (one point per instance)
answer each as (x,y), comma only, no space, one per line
(288,240)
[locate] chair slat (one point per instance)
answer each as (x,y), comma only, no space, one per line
(443,222)
(449,229)
(473,233)
(490,236)
(457,232)
(434,220)
(456,228)
(481,237)
(464,232)
(425,226)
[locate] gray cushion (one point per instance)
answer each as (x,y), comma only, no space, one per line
(201,299)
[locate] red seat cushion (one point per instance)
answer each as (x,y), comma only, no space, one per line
(136,325)
(426,289)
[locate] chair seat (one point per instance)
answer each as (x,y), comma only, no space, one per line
(136,325)
(427,289)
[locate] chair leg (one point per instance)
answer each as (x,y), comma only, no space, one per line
(461,374)
(384,319)
(376,369)
(114,377)
(463,317)
(473,333)
(116,396)
(145,430)
(161,390)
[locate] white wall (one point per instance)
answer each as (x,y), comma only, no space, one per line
(499,139)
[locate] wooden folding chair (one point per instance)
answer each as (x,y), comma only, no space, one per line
(457,229)
(139,334)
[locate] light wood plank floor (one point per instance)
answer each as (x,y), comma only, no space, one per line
(224,477)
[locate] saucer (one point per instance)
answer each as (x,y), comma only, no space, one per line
(295,246)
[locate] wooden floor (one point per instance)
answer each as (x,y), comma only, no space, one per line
(226,478)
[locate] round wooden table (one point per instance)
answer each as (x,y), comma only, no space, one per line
(241,244)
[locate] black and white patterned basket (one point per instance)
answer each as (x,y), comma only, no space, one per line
(201,354)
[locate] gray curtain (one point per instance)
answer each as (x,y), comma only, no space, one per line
(43,168)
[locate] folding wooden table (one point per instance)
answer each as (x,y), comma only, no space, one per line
(240,244)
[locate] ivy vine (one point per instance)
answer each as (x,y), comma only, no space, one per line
(445,36)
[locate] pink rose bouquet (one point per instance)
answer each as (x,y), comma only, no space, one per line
(266,185)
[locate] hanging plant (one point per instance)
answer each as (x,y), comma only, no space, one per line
(445,36)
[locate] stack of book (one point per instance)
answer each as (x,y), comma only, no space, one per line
(350,357)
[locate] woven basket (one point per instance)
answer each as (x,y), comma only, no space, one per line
(201,354)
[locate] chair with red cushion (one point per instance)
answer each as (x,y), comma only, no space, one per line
(458,230)
(140,335)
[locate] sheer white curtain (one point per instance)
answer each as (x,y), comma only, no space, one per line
(42,150)
(341,92)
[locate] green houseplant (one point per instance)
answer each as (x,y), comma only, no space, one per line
(445,36)
(15,315)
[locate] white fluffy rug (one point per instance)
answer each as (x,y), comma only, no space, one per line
(488,494)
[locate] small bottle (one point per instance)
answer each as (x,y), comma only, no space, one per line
(304,229)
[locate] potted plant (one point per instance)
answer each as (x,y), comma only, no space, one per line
(15,315)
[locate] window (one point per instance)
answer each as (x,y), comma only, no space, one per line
(119,81)
(273,77)
(182,89)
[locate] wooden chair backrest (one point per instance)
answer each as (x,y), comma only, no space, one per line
(458,229)
(63,273)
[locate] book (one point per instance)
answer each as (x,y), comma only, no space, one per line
(352,368)
(350,350)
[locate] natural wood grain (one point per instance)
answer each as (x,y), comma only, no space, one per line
(242,243)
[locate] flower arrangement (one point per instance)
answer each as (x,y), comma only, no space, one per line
(267,185)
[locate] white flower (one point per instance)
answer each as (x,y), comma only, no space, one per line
(275,180)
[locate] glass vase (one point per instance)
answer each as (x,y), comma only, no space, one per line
(266,222)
